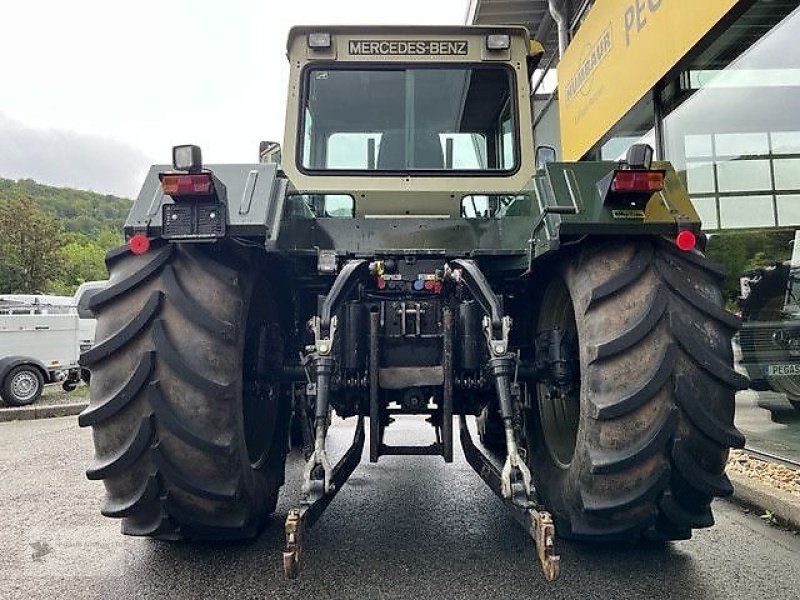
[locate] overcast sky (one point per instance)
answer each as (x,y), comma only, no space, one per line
(94,91)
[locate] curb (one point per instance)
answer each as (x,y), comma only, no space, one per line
(27,413)
(748,491)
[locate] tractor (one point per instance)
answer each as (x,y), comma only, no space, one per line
(408,250)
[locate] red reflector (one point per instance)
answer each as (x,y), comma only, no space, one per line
(638,181)
(186,185)
(139,243)
(686,240)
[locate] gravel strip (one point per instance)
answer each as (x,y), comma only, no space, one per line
(777,476)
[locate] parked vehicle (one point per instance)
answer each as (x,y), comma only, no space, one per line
(770,334)
(41,338)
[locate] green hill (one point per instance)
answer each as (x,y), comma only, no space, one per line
(79,211)
(53,239)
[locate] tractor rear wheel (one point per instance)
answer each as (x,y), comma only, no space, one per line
(637,448)
(190,441)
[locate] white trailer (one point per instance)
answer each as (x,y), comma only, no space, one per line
(41,338)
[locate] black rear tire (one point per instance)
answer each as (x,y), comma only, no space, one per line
(639,449)
(189,441)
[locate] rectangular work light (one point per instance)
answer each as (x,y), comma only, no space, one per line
(187,158)
(319,40)
(498,41)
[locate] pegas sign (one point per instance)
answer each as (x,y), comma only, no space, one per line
(636,14)
(620,52)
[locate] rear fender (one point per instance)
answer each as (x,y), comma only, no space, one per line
(252,195)
(571,203)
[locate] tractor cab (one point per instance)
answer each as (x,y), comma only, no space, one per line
(389,121)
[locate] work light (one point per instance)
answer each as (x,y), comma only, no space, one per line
(319,40)
(187,158)
(498,41)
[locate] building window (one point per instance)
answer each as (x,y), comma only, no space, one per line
(732,128)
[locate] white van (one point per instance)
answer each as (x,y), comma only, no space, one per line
(41,338)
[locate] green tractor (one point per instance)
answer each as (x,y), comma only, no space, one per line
(407,250)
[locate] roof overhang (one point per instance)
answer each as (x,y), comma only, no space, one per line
(533,14)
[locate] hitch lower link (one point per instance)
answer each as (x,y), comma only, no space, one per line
(538,523)
(321,481)
(522,502)
(513,483)
(314,503)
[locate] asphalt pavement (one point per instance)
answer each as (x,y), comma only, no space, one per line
(407,527)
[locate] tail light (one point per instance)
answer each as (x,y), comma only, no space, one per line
(139,244)
(637,182)
(177,185)
(686,240)
(631,188)
(633,182)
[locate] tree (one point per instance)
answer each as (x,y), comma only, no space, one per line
(30,246)
(83,260)
(740,251)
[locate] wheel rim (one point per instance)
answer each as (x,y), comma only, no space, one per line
(559,416)
(25,385)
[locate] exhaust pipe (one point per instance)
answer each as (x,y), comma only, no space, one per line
(561,23)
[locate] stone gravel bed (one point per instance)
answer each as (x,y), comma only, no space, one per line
(775,475)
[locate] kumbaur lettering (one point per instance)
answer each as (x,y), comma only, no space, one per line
(599,51)
(409,47)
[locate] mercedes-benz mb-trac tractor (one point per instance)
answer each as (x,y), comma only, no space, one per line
(408,251)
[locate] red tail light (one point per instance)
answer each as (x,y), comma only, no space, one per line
(187,185)
(686,240)
(638,182)
(139,243)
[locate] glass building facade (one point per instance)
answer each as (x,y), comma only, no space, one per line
(729,122)
(728,118)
